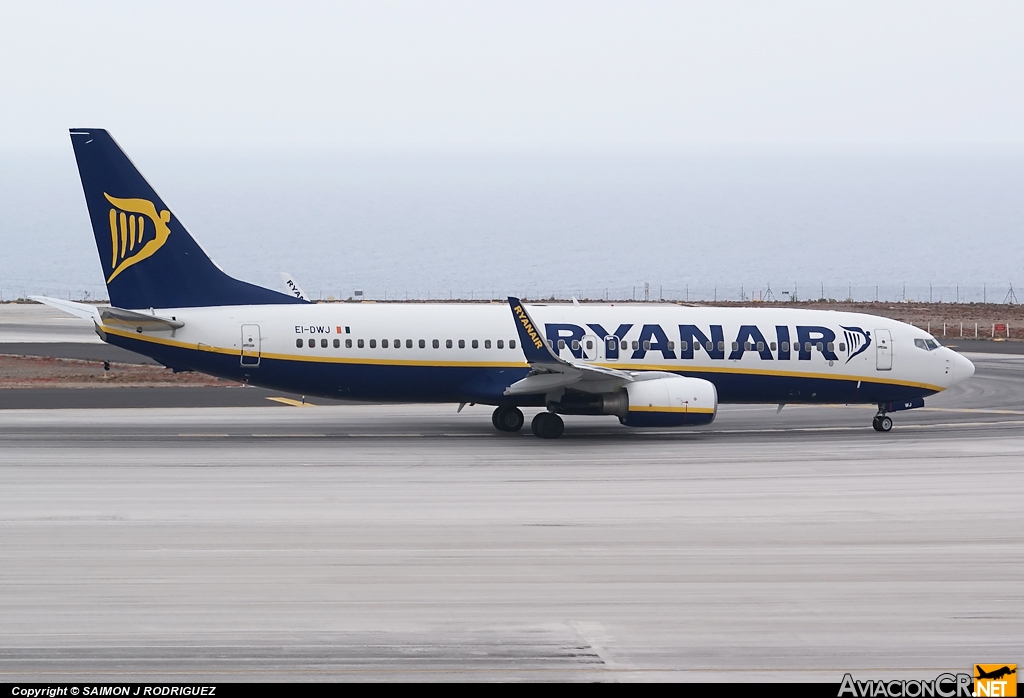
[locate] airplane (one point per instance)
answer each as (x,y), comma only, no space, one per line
(649,365)
(996,674)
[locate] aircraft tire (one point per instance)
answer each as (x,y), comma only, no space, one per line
(884,424)
(874,423)
(507,418)
(547,425)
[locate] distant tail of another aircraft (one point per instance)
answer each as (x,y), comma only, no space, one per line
(148,258)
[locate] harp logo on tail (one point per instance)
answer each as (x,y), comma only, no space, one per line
(137,231)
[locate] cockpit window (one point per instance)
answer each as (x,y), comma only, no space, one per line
(926,344)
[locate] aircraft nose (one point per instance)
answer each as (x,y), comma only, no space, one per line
(963,368)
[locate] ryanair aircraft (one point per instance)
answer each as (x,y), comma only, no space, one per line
(649,365)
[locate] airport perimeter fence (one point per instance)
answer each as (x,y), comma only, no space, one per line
(645,292)
(945,311)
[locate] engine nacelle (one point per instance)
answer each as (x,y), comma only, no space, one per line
(674,401)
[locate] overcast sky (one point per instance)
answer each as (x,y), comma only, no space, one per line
(498,75)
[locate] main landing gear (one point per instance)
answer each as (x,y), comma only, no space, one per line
(881,422)
(547,425)
(507,418)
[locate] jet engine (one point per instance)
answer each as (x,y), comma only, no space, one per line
(673,401)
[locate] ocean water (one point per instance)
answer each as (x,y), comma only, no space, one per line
(688,225)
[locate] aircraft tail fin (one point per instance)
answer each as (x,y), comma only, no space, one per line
(149,259)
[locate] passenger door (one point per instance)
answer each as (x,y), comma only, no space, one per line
(883,350)
(250,345)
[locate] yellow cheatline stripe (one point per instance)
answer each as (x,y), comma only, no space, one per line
(767,372)
(517,364)
(290,401)
(691,410)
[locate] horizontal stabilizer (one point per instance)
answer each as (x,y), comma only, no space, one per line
(137,320)
(82,310)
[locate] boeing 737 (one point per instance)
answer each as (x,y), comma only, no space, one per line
(649,365)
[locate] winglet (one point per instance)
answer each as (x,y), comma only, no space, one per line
(535,348)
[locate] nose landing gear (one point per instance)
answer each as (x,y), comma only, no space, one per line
(881,423)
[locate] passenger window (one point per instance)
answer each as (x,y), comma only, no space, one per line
(709,346)
(312,343)
(561,344)
(423,343)
(348,343)
(436,344)
(760,346)
(807,346)
(647,346)
(298,343)
(772,346)
(747,346)
(462,344)
(487,344)
(842,346)
(501,343)
(476,344)
(511,344)
(373,343)
(785,346)
(408,344)
(590,344)
(323,343)
(359,343)
(735,346)
(721,346)
(818,346)
(337,343)
(624,346)
(831,346)
(683,346)
(611,343)
(575,345)
(636,345)
(550,345)
(383,343)
(448,344)
(671,345)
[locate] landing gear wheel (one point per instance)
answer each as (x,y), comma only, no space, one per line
(547,425)
(507,418)
(874,423)
(884,424)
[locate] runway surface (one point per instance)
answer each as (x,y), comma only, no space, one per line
(411,542)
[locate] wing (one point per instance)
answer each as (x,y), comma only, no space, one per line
(551,372)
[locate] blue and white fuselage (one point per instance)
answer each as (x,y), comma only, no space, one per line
(471,353)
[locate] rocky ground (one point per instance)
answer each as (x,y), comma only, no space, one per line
(38,372)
